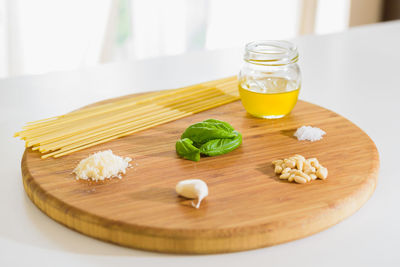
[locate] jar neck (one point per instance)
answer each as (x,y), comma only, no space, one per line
(271,53)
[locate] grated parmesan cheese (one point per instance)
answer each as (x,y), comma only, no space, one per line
(102,165)
(309,133)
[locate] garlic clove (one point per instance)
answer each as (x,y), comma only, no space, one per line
(192,188)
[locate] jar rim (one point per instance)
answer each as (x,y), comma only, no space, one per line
(270,52)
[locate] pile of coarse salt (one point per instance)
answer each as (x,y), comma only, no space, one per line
(102,165)
(309,133)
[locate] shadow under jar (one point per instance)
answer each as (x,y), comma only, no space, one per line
(270,79)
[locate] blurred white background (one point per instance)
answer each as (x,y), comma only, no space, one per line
(50,35)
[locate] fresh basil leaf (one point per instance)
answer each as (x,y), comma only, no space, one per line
(184,148)
(221,146)
(221,124)
(211,138)
(202,132)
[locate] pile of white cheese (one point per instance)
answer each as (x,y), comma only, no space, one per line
(102,165)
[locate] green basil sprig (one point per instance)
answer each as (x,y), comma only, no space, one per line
(210,137)
(187,150)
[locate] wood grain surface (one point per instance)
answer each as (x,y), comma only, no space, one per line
(248,206)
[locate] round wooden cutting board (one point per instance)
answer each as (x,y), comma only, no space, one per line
(248,206)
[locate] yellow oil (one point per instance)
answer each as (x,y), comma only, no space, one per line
(275,99)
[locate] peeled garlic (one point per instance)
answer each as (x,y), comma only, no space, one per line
(192,188)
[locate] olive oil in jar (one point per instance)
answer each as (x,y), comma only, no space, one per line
(271,97)
(270,79)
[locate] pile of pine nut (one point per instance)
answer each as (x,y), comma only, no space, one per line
(299,169)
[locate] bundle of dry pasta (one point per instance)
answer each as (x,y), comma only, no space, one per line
(65,134)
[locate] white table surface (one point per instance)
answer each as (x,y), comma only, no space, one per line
(355,74)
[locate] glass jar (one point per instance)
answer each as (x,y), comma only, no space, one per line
(270,79)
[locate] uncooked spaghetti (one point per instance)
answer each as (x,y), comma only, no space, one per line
(65,134)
